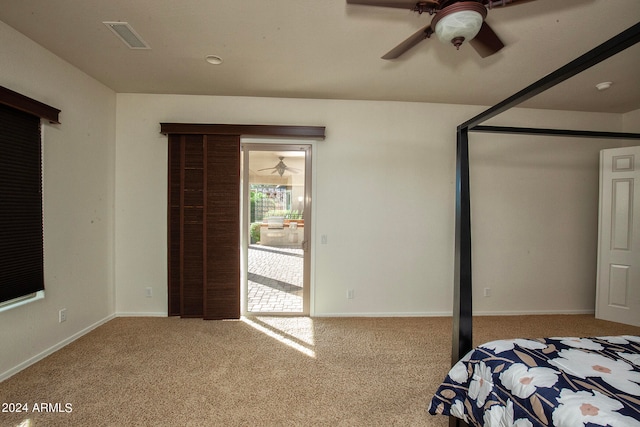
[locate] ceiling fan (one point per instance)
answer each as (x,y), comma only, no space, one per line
(454,21)
(281,168)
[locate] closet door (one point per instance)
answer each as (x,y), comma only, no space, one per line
(618,283)
(204,230)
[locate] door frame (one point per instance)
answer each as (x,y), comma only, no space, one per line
(247,145)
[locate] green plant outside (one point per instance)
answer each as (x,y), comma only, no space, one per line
(254,232)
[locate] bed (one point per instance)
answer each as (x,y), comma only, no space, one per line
(537,410)
(562,381)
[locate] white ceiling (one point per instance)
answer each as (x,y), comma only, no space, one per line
(327,49)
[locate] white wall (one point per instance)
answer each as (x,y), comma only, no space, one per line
(631,122)
(371,198)
(78,186)
(384,196)
(535,214)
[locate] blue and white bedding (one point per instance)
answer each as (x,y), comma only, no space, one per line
(570,382)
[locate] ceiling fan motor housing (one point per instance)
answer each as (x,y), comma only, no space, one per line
(459,22)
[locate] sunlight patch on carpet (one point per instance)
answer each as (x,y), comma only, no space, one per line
(295,332)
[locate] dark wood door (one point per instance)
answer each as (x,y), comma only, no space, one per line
(204,226)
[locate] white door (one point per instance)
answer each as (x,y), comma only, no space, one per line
(618,288)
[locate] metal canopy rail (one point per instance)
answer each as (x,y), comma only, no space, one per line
(606,50)
(555,132)
(462,306)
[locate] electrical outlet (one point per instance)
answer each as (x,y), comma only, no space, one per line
(62,315)
(148,292)
(487,292)
(351,294)
(323,239)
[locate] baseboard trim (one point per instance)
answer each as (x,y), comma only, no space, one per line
(9,373)
(533,313)
(141,314)
(449,313)
(389,314)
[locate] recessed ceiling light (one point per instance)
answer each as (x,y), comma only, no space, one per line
(213,59)
(604,85)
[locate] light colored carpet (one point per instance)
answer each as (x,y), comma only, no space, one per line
(264,371)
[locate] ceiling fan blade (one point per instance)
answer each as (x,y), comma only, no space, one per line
(487,42)
(499,3)
(416,38)
(400,4)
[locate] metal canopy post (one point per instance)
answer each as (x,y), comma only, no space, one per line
(462,306)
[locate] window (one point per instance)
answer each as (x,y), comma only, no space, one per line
(21,237)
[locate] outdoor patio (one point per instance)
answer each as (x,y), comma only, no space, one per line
(275,279)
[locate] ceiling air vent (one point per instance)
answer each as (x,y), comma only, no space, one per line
(127,34)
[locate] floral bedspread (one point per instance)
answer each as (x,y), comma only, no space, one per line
(570,382)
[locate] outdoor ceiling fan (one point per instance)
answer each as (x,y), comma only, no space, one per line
(281,168)
(454,21)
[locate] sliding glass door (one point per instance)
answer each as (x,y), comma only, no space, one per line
(276,228)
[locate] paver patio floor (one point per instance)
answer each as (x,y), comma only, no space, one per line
(275,276)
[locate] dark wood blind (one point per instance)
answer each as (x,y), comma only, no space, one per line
(204,214)
(21,241)
(222,290)
(175,228)
(204,226)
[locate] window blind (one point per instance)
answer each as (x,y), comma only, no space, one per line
(21,237)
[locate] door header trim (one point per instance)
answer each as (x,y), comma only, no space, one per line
(277,131)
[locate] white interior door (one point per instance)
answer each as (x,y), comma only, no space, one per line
(618,288)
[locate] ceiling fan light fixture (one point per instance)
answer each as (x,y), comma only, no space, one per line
(459,22)
(280,168)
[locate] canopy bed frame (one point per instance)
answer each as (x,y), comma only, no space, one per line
(462,309)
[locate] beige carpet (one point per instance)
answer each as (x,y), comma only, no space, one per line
(264,371)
